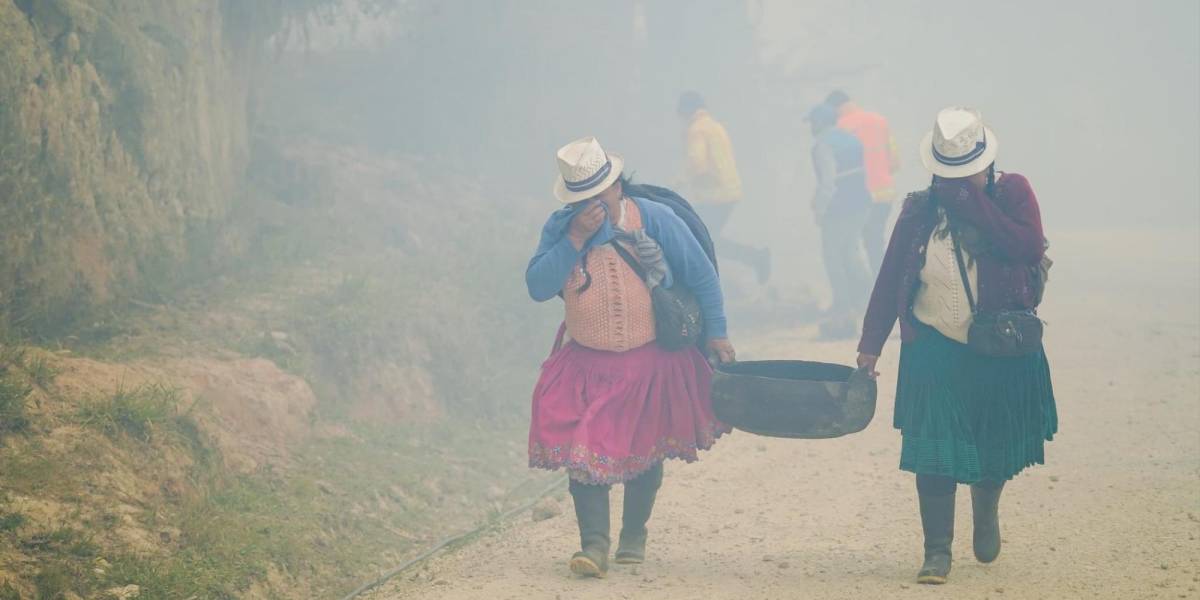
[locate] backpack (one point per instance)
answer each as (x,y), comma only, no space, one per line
(682,209)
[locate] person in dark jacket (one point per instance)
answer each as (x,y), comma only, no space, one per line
(964,417)
(841,207)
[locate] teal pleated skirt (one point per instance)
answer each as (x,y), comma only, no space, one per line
(971,417)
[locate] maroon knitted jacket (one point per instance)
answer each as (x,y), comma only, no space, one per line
(1012,225)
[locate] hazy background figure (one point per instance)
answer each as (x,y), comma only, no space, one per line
(881,159)
(712,183)
(841,207)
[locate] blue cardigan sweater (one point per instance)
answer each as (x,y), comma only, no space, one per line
(551,264)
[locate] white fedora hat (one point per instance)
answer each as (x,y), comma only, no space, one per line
(959,145)
(585,170)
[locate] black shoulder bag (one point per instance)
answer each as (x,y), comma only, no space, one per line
(678,322)
(1005,333)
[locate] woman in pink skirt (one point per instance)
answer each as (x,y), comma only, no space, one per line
(611,404)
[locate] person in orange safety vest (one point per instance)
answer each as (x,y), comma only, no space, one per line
(881,160)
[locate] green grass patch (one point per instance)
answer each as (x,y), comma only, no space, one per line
(41,371)
(182,576)
(65,556)
(13,393)
(64,541)
(8,592)
(55,579)
(31,472)
(11,521)
(11,356)
(140,413)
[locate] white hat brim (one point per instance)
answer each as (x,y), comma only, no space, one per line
(954,172)
(568,197)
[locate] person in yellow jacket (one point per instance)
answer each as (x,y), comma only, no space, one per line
(713,185)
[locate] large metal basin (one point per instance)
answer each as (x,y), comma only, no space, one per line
(793,398)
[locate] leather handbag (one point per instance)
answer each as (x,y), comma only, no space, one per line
(1005,333)
(678,322)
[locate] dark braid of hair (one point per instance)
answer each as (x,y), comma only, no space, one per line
(587,277)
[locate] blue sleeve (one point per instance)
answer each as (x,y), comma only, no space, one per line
(689,264)
(553,260)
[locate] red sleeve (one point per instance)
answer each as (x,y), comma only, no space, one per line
(883,310)
(1013,225)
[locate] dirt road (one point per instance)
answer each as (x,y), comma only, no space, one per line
(1114,514)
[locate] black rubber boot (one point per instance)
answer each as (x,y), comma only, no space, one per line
(937,521)
(591,510)
(985,506)
(639,503)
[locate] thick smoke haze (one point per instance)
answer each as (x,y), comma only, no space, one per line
(1095,102)
(268,329)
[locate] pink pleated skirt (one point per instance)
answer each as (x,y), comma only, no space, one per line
(608,416)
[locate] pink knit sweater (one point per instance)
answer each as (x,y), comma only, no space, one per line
(614,314)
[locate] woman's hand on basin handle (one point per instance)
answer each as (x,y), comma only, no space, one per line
(867,362)
(722,349)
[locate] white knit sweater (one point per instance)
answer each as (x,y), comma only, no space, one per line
(941,300)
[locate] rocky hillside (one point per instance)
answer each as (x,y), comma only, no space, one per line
(123,132)
(290,427)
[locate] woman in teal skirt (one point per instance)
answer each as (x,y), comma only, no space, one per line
(964,417)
